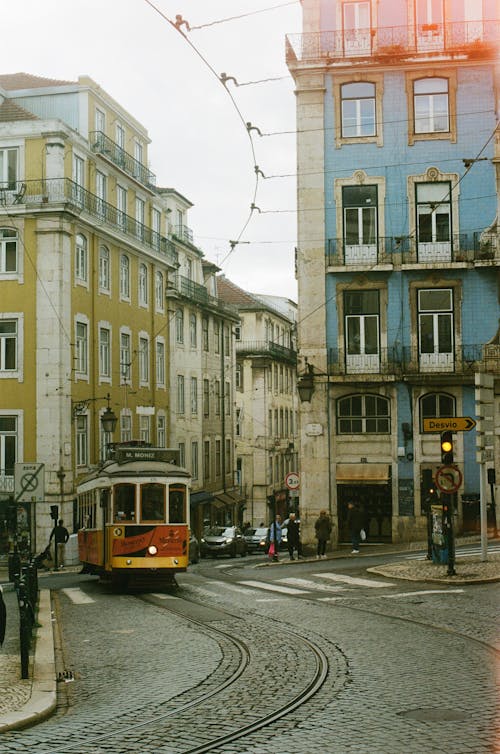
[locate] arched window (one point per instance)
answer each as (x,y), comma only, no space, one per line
(124,276)
(81,259)
(434,405)
(159,290)
(104,268)
(143,285)
(363,414)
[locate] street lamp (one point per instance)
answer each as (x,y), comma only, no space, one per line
(305,384)
(108,419)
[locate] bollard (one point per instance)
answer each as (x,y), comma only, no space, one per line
(26,623)
(14,566)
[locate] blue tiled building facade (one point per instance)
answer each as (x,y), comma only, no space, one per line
(398,250)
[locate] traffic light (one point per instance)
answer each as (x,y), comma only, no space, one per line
(427,482)
(54,512)
(446,448)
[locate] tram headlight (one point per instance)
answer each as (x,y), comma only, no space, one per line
(152,549)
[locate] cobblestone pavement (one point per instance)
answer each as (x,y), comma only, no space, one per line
(409,675)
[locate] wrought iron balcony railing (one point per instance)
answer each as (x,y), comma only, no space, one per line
(401,361)
(267,348)
(397,250)
(474,39)
(183,233)
(102,144)
(6,483)
(63,190)
(199,294)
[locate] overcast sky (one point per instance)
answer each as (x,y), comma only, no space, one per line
(200,144)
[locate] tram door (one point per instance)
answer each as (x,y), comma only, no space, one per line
(375,501)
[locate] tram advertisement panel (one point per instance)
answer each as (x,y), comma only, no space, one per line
(135,540)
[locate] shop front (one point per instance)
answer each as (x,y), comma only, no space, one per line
(369,485)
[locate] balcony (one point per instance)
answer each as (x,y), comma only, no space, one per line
(401,362)
(6,484)
(183,233)
(183,286)
(470,39)
(53,191)
(399,250)
(101,144)
(265,348)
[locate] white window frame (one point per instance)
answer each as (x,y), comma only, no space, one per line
(161,430)
(9,237)
(81,260)
(194,459)
(193,330)
(160,362)
(82,354)
(438,355)
(144,427)
(100,120)
(159,291)
(125,425)
(124,277)
(120,135)
(359,101)
(143,359)
(82,440)
(194,395)
(9,167)
(181,395)
(426,121)
(18,336)
(104,352)
(125,356)
(142,285)
(179,326)
(104,269)
(121,206)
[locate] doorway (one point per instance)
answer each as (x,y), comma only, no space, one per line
(375,501)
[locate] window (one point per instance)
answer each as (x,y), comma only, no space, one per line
(228,456)
(363,414)
(361,311)
(125,425)
(433,204)
(125,358)
(239,421)
(104,353)
(429,24)
(121,206)
(217,336)
(8,168)
(181,407)
(160,363)
(143,285)
(434,405)
(204,331)
(356,21)
(8,345)
(8,444)
(152,502)
(139,152)
(431,106)
(100,190)
(81,259)
(360,224)
(156,224)
(100,120)
(143,360)
(227,341)
(239,377)
(182,454)
(177,504)
(144,427)
(125,277)
(8,250)
(217,397)
(435,328)
(218,458)
(194,460)
(104,269)
(82,440)
(179,326)
(140,210)
(206,459)
(193,335)
(194,395)
(159,291)
(120,135)
(227,399)
(206,398)
(161,431)
(358,109)
(237,332)
(82,345)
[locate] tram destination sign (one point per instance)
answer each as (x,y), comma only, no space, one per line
(451,423)
(140,453)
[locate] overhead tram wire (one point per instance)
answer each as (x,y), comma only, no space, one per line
(248,126)
(244,15)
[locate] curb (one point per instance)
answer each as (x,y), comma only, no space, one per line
(43,699)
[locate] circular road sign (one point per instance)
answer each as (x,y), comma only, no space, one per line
(448,479)
(292,480)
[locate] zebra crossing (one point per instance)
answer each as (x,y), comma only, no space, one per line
(462,552)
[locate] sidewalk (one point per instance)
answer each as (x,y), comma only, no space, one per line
(26,702)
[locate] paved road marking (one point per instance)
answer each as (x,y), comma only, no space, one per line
(307,584)
(373,583)
(164,596)
(273,587)
(77,596)
(426,591)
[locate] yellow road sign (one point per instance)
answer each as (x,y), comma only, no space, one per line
(452,423)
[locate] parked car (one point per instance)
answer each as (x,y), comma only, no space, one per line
(256,539)
(194,549)
(223,540)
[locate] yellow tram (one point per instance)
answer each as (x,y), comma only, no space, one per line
(133,516)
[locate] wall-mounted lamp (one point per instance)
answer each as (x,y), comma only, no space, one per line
(109,419)
(305,384)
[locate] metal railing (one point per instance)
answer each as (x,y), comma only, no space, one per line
(102,144)
(397,250)
(475,39)
(401,361)
(268,348)
(183,233)
(63,190)
(6,482)
(198,293)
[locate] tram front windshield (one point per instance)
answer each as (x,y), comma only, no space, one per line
(124,502)
(152,502)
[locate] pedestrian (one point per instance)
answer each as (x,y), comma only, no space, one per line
(60,535)
(293,535)
(3,617)
(323,529)
(355,523)
(275,538)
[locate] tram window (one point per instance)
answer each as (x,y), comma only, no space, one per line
(152,502)
(177,505)
(124,502)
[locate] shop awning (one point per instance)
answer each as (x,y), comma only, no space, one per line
(198,498)
(363,473)
(226,498)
